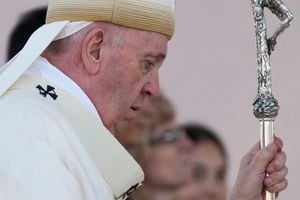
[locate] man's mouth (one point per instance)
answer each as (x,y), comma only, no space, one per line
(133,113)
(135,108)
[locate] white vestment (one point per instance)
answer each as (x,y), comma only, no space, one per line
(52,146)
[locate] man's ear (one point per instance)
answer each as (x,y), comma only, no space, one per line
(92,49)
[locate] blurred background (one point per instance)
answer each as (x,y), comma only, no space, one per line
(210,73)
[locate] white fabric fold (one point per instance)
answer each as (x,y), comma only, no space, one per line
(34,47)
(71,28)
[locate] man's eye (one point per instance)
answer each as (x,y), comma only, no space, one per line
(147,66)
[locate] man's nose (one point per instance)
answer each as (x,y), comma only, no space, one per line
(151,87)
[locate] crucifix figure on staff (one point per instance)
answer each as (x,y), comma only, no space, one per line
(266,106)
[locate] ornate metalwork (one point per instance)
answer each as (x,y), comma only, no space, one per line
(265,105)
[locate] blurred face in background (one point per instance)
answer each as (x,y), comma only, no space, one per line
(168,159)
(209,174)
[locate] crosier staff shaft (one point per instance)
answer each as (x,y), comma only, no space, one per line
(265,105)
(267,137)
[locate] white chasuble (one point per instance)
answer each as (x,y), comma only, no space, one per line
(53,147)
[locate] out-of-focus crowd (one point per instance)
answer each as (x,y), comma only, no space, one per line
(181,162)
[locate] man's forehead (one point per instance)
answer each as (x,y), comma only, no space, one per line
(155,45)
(150,44)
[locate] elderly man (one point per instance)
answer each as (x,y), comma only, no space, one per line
(91,66)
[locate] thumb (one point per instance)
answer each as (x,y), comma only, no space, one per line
(247,159)
(264,157)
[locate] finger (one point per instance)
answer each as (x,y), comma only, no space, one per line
(279,143)
(278,187)
(276,177)
(246,160)
(278,163)
(264,157)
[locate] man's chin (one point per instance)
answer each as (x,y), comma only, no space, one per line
(122,124)
(128,119)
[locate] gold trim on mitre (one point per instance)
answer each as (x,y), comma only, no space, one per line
(150,15)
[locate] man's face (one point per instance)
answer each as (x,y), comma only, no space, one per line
(131,74)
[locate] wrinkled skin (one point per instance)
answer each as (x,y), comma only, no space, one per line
(252,179)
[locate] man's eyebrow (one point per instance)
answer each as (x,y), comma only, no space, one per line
(158,57)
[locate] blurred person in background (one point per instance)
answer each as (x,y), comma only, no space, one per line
(209,166)
(28,22)
(168,165)
(162,151)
